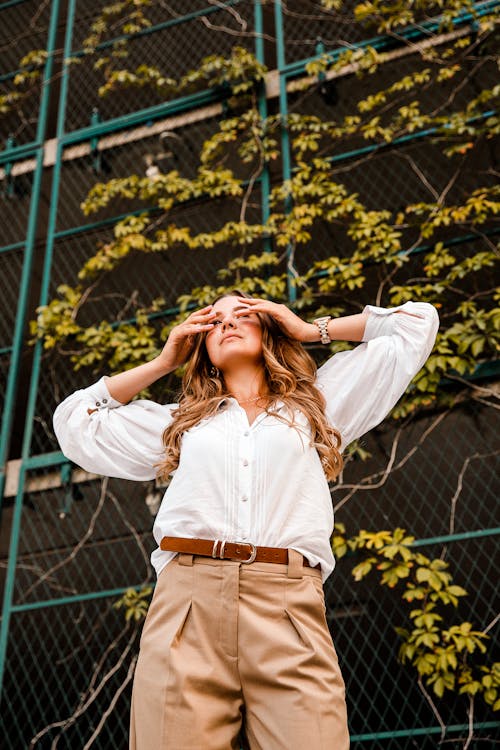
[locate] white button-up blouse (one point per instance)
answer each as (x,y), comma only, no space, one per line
(262,483)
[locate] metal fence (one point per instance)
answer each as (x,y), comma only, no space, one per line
(72,544)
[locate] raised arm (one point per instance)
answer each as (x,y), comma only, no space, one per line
(361,386)
(100,431)
(347,328)
(124,386)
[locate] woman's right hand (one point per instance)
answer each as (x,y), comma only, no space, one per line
(182,338)
(126,385)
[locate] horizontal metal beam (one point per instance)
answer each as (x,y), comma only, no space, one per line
(146,119)
(76,599)
(182,104)
(419,731)
(463,536)
(16,153)
(11,3)
(43,482)
(13,246)
(420,31)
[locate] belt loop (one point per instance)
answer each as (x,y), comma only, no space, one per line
(295,564)
(185,559)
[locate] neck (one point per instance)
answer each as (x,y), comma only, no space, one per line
(246,383)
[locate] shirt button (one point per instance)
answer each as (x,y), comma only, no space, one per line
(97,403)
(105,401)
(244,498)
(246,434)
(245,462)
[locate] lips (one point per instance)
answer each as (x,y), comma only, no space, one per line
(230,336)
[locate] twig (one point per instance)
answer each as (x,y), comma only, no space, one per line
(433,707)
(459,488)
(78,547)
(485,402)
(470,712)
(113,703)
(65,724)
(492,623)
(134,533)
(354,488)
(363,485)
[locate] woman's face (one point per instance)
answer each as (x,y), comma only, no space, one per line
(236,336)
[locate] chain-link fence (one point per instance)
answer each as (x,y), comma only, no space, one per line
(71,543)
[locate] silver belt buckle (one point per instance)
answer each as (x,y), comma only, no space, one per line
(253,552)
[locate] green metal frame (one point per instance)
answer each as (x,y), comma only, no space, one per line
(12,155)
(18,339)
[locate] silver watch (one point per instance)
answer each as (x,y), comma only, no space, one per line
(322,324)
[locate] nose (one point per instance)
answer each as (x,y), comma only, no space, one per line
(228,321)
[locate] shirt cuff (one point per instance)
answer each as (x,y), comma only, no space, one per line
(381,321)
(100,395)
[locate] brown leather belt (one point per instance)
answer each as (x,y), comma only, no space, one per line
(220,550)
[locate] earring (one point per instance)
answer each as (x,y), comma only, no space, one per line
(214,372)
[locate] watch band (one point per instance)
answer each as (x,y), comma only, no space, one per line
(322,324)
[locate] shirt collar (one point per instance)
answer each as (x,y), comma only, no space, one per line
(231,400)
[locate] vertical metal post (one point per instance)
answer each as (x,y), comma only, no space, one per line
(23,299)
(9,186)
(51,230)
(285,140)
(265,182)
(95,119)
(28,254)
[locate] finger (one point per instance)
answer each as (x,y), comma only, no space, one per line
(241,313)
(259,306)
(201,310)
(186,330)
(198,327)
(249,300)
(200,317)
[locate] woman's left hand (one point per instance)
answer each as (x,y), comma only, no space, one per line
(290,324)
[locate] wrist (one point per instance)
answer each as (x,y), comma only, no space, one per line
(322,324)
(161,366)
(311,333)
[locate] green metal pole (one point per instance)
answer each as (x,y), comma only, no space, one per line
(259,53)
(29,245)
(419,731)
(16,520)
(285,140)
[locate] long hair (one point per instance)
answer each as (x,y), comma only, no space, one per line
(290,374)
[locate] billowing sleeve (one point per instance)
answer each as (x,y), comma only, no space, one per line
(361,386)
(116,440)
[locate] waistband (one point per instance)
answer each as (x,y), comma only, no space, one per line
(244,552)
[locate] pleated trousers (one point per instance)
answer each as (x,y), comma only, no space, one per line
(234,655)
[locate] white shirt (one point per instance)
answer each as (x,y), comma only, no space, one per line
(262,483)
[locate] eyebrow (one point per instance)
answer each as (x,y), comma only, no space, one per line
(238,307)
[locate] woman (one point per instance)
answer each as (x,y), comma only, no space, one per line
(236,635)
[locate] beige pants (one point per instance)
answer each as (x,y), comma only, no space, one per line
(228,647)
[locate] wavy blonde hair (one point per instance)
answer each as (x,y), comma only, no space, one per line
(290,376)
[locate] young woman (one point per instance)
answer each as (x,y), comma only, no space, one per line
(236,636)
